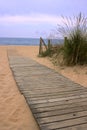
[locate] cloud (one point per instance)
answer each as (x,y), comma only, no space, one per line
(30,19)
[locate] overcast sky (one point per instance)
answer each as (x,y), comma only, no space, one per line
(35,18)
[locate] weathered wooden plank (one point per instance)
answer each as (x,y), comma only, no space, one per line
(65,123)
(69,102)
(77,127)
(29,83)
(57,118)
(59,107)
(64,99)
(63,93)
(60,112)
(37,92)
(56,96)
(40,88)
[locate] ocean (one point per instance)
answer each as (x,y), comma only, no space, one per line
(26,41)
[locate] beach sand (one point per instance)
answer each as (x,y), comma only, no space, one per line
(14,111)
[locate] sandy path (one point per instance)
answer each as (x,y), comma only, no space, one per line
(14,112)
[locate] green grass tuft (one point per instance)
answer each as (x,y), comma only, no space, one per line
(75,44)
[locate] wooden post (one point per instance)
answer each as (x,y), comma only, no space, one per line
(65,40)
(44,43)
(41,46)
(49,44)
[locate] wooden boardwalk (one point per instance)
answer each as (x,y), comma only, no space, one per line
(56,102)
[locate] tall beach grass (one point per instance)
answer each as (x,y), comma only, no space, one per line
(74,31)
(74,49)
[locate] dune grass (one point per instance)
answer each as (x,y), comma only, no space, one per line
(74,48)
(75,43)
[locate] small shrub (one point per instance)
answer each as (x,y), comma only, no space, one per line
(48,52)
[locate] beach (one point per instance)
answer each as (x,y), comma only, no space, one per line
(14,111)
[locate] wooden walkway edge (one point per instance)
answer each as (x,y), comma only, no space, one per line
(56,102)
